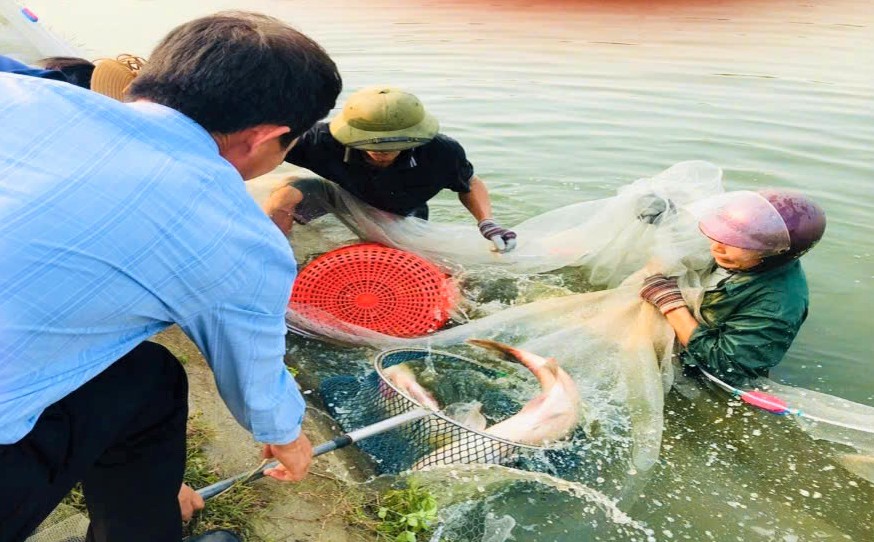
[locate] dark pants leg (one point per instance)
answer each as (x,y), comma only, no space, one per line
(123,435)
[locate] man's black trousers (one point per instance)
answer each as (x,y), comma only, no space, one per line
(122,434)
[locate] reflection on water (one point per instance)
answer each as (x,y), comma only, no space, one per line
(730,471)
(558,102)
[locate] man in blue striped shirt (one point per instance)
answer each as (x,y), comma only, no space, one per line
(118,220)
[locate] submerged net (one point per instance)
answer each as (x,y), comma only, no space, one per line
(492,503)
(438,439)
(833,419)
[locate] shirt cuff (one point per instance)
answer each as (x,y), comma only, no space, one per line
(282,423)
(278,438)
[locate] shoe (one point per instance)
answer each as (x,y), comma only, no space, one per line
(218,535)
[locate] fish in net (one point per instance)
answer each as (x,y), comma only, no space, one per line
(475,396)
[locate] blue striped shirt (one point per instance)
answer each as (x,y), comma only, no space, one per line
(116,221)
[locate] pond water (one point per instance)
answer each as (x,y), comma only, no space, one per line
(559,102)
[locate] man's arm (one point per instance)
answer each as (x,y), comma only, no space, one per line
(280,206)
(477,201)
(479,204)
(308,147)
(245,350)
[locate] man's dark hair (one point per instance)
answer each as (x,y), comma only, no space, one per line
(235,70)
(77,70)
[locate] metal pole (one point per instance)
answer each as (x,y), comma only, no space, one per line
(335,444)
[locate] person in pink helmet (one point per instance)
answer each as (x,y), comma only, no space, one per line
(756,296)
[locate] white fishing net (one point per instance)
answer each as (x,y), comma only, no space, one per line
(482,503)
(610,238)
(25,39)
(837,420)
(64,524)
(617,348)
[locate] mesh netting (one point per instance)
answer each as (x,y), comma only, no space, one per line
(64,524)
(437,439)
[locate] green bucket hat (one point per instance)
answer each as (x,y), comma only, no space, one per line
(383,119)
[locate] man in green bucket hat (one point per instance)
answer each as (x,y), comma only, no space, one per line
(384,149)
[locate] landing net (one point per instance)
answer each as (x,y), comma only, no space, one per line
(472,396)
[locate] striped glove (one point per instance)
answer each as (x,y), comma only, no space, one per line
(504,239)
(662,292)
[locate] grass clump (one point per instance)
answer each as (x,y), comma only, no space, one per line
(233,510)
(76,499)
(406,514)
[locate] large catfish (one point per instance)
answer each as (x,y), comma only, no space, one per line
(549,417)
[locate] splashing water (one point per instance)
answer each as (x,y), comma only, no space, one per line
(482,502)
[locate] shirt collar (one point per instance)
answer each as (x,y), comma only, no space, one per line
(739,280)
(405,160)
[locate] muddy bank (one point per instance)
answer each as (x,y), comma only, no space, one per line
(312,510)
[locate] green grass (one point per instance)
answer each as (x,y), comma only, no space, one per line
(76,499)
(405,514)
(408,514)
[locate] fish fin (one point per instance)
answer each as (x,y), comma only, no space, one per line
(552,366)
(505,350)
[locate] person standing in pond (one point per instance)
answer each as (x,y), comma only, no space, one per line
(385,150)
(756,296)
(145,224)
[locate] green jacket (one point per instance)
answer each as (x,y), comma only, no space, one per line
(750,320)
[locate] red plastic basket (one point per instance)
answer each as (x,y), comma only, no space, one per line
(376,287)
